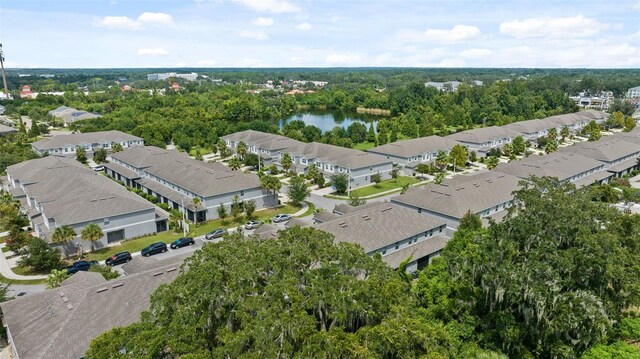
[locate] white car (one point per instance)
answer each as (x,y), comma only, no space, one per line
(281,218)
(252,225)
(98,168)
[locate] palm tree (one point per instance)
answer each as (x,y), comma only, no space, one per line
(92,233)
(286,162)
(175,219)
(63,234)
(241,149)
(270,183)
(235,163)
(196,204)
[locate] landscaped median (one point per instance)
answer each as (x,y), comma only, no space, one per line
(135,245)
(391,186)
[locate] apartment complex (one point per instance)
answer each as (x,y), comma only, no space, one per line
(55,191)
(486,194)
(483,139)
(410,153)
(329,159)
(176,179)
(70,115)
(618,155)
(65,145)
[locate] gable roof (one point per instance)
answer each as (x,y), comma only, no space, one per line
(269,141)
(562,165)
(60,323)
(78,139)
(458,195)
(203,178)
(6,129)
(70,114)
(72,193)
(483,134)
(418,250)
(416,146)
(375,227)
(607,149)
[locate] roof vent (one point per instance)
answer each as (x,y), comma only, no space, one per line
(157,274)
(69,306)
(342,224)
(65,299)
(101,289)
(172,269)
(117,285)
(61,293)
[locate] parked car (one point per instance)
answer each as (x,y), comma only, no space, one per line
(216,233)
(98,168)
(154,248)
(281,218)
(182,242)
(118,258)
(252,225)
(80,266)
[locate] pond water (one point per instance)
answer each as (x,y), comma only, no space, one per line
(327,120)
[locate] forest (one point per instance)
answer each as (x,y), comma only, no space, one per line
(558,278)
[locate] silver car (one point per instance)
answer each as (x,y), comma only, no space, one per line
(252,225)
(281,218)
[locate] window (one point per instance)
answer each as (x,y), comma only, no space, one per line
(242,193)
(419,210)
(397,246)
(384,252)
(106,221)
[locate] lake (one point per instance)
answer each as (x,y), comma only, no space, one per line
(327,120)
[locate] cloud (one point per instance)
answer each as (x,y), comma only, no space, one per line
(636,6)
(303,26)
(250,63)
(457,33)
(257,35)
(273,6)
(156,51)
(180,64)
(155,17)
(127,23)
(476,53)
(344,59)
(118,22)
(263,21)
(575,26)
(336,18)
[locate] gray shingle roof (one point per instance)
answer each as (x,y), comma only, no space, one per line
(202,178)
(6,129)
(265,140)
(130,174)
(633,136)
(70,114)
(415,251)
(379,226)
(72,193)
(607,149)
(341,156)
(79,139)
(458,195)
(483,134)
(415,147)
(60,323)
(562,165)
(573,118)
(530,126)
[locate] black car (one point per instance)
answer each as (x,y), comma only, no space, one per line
(118,258)
(154,248)
(80,266)
(216,233)
(182,242)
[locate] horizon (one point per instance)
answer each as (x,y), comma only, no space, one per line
(274,34)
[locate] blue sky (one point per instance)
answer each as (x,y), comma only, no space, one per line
(326,33)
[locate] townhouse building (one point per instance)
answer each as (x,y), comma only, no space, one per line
(619,156)
(393,231)
(5,130)
(329,159)
(176,179)
(483,139)
(55,191)
(566,166)
(409,153)
(69,115)
(486,194)
(65,145)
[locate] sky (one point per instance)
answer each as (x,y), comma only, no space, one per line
(324,33)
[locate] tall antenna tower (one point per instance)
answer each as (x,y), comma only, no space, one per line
(4,77)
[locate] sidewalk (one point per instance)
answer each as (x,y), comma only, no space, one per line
(5,270)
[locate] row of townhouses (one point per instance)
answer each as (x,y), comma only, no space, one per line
(55,191)
(409,153)
(66,145)
(176,179)
(329,159)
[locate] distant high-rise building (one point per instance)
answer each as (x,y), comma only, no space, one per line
(164,76)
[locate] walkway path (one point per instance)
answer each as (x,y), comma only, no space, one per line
(5,270)
(635,181)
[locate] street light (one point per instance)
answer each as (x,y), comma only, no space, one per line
(4,77)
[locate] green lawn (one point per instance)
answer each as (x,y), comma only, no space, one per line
(13,281)
(135,245)
(384,186)
(203,151)
(5,249)
(28,271)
